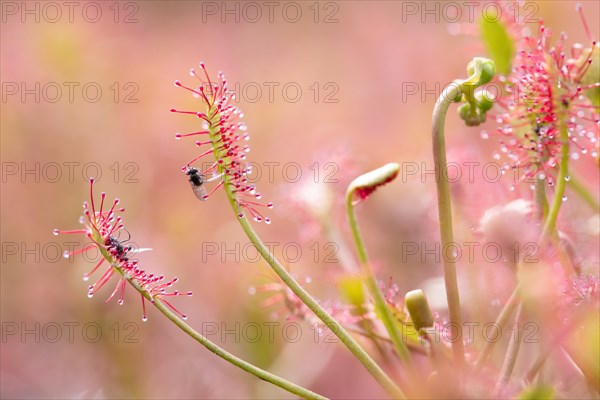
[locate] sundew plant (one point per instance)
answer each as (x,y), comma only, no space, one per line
(532,95)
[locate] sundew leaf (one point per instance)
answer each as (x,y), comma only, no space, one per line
(498,43)
(537,393)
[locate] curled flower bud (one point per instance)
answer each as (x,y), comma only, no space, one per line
(364,185)
(481,70)
(471,115)
(473,112)
(484,100)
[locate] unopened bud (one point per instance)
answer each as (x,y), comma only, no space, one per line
(485,100)
(418,308)
(367,183)
(481,69)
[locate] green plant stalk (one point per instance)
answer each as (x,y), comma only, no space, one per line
(563,171)
(314,306)
(513,351)
(548,231)
(445,215)
(578,187)
(386,382)
(505,313)
(540,200)
(380,304)
(366,360)
(214,348)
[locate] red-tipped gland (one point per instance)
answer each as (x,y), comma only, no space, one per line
(102,228)
(221,122)
(531,121)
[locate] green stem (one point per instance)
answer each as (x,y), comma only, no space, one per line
(540,200)
(561,184)
(513,351)
(374,369)
(380,304)
(238,362)
(345,337)
(578,187)
(214,348)
(505,313)
(445,215)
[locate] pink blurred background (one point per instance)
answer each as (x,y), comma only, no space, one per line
(365,59)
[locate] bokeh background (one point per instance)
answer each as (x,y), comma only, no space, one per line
(356,64)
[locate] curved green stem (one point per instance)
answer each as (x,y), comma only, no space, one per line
(505,313)
(214,348)
(380,304)
(480,71)
(238,362)
(445,215)
(374,369)
(540,200)
(511,354)
(561,184)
